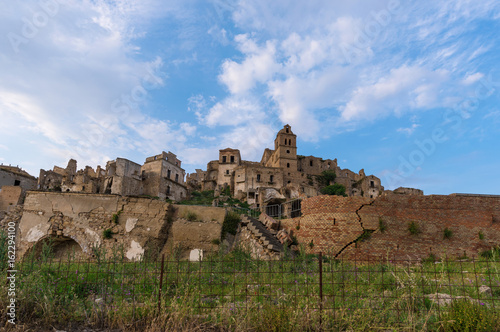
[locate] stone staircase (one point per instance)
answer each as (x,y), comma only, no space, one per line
(260,231)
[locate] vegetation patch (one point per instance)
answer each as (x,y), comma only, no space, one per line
(230,224)
(413,228)
(191,216)
(107,233)
(335,189)
(447,233)
(381,225)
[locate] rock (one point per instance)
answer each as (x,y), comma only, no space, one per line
(483,289)
(444,299)
(196,255)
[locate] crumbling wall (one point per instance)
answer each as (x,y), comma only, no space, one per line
(194,227)
(352,227)
(10,196)
(137,226)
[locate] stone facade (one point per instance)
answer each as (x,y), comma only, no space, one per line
(160,176)
(10,196)
(15,176)
(163,177)
(281,175)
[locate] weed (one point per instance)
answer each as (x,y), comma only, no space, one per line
(297,227)
(191,216)
(216,242)
(381,225)
(481,235)
(107,233)
(465,315)
(413,228)
(447,233)
(311,244)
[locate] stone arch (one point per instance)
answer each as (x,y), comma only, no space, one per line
(63,247)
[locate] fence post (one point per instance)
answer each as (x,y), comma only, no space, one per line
(161,283)
(321,290)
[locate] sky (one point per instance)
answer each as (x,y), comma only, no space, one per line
(407,91)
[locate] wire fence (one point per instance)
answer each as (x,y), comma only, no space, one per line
(325,290)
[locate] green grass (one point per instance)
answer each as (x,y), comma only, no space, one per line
(234,292)
(414,228)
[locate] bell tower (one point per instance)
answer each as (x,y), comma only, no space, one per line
(285,151)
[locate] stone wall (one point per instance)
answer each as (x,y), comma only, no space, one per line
(137,225)
(195,227)
(10,196)
(358,227)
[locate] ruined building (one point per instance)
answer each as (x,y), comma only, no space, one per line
(161,176)
(280,175)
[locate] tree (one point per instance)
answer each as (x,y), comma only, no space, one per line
(335,189)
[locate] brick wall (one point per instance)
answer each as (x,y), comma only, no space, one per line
(332,224)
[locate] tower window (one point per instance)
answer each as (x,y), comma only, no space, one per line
(224,159)
(271,178)
(288,165)
(168,174)
(168,190)
(17,183)
(287,151)
(258,177)
(176,177)
(310,162)
(232,159)
(287,130)
(227,171)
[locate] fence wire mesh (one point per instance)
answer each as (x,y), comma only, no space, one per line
(323,290)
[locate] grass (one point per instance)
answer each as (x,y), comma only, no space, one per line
(234,293)
(191,216)
(447,233)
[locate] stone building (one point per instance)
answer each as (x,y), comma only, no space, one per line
(15,176)
(123,177)
(163,177)
(280,175)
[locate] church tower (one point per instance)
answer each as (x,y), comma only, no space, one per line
(285,152)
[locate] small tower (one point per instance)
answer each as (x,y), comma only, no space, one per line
(285,151)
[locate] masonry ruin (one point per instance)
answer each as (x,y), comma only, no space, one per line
(281,175)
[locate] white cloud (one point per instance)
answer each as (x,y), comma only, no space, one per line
(258,66)
(233,111)
(408,131)
(405,88)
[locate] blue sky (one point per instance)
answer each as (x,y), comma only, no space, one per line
(409,91)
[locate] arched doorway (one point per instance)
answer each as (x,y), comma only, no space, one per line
(56,247)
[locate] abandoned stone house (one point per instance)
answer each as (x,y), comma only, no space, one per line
(160,176)
(280,175)
(14,182)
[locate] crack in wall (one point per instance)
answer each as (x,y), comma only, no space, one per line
(364,229)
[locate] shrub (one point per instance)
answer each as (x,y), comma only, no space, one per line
(107,233)
(447,233)
(481,235)
(326,178)
(465,315)
(413,228)
(365,236)
(115,216)
(230,224)
(381,225)
(335,189)
(191,216)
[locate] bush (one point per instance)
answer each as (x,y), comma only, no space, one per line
(335,189)
(107,233)
(230,224)
(465,315)
(413,228)
(326,178)
(381,225)
(481,235)
(447,233)
(191,216)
